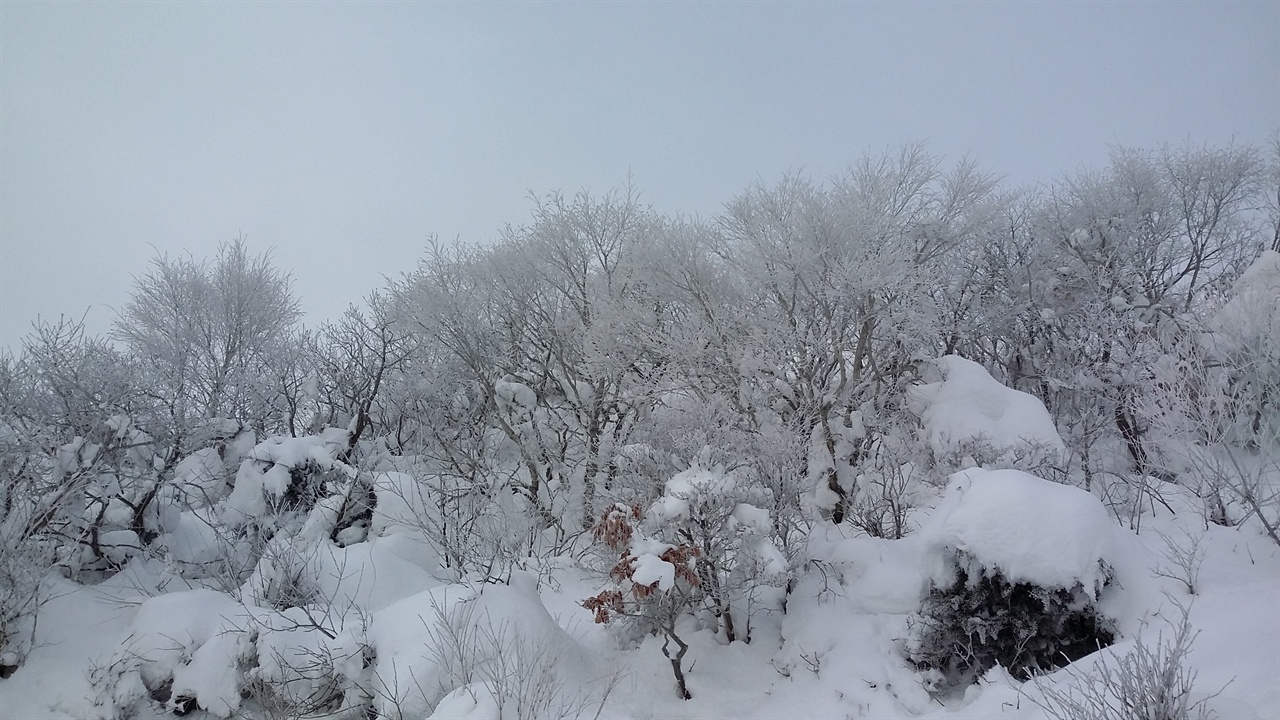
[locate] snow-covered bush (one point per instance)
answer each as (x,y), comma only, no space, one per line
(654,585)
(969,419)
(701,546)
(889,479)
(286,476)
(487,645)
(94,499)
(219,526)
(478,529)
(23,566)
(725,520)
(1023,563)
(984,620)
(205,650)
(484,652)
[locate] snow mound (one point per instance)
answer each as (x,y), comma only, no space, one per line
(199,478)
(431,649)
(686,488)
(1031,530)
(196,640)
(969,406)
(469,702)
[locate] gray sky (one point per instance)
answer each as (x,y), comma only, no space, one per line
(343,135)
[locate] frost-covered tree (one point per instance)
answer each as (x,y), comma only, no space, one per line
(842,295)
(1217,407)
(1090,283)
(357,356)
(207,333)
(77,478)
(553,331)
(655,584)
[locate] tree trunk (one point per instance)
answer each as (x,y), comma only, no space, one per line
(1132,438)
(677,669)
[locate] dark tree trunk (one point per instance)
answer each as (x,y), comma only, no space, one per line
(677,661)
(1132,438)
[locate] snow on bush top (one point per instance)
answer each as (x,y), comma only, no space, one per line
(707,497)
(1031,530)
(969,405)
(266,470)
(294,451)
(691,486)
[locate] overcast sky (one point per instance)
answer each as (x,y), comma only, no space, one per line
(344,135)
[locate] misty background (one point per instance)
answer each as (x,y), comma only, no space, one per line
(345,135)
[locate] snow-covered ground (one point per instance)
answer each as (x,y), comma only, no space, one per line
(836,651)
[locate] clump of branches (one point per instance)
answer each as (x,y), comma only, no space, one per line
(1150,682)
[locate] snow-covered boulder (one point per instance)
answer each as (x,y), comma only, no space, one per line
(966,411)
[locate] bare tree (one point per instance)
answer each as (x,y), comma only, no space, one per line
(357,356)
(205,331)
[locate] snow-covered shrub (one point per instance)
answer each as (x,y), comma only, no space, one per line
(889,475)
(969,419)
(97,499)
(1183,558)
(284,475)
(478,529)
(495,645)
(22,569)
(489,656)
(654,584)
(702,546)
(1218,409)
(185,649)
(725,520)
(1022,564)
(206,650)
(281,486)
(883,502)
(1244,336)
(983,620)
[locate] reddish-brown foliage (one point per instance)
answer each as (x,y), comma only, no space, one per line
(682,557)
(607,602)
(614,528)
